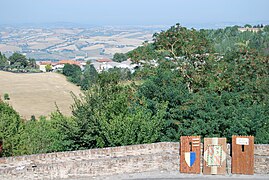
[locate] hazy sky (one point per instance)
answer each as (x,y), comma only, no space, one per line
(133,12)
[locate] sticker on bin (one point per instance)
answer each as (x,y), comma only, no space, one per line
(242,141)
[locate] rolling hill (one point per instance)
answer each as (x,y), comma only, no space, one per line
(37,93)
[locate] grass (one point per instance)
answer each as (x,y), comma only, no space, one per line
(36,94)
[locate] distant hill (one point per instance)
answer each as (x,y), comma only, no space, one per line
(73,43)
(36,94)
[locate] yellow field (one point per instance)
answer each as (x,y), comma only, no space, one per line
(36,94)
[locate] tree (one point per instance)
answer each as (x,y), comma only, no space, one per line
(18,60)
(266,28)
(70,69)
(32,63)
(179,41)
(73,73)
(110,114)
(6,96)
(10,126)
(37,137)
(119,57)
(90,76)
(48,68)
(167,86)
(146,52)
(3,60)
(248,26)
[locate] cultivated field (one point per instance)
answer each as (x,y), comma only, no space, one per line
(69,43)
(36,94)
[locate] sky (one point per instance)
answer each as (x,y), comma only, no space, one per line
(133,12)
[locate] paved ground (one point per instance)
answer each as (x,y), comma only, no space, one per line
(160,175)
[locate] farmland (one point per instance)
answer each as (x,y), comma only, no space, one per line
(37,94)
(73,43)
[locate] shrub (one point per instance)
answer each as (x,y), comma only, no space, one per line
(6,96)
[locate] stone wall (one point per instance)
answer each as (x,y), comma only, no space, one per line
(107,161)
(94,162)
(261,158)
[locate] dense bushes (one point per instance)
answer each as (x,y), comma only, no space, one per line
(10,127)
(232,98)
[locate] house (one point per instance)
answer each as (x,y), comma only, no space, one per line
(60,64)
(250,29)
(106,64)
(43,64)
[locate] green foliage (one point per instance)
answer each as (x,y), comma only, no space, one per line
(175,42)
(266,28)
(119,57)
(229,97)
(191,93)
(6,96)
(66,133)
(137,126)
(37,137)
(3,60)
(111,115)
(146,52)
(248,26)
(18,63)
(122,74)
(73,72)
(166,86)
(48,68)
(32,63)
(10,126)
(18,60)
(89,77)
(180,41)
(70,69)
(227,40)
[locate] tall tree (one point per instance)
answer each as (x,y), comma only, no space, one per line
(3,60)
(90,76)
(180,41)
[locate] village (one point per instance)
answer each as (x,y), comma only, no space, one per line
(102,64)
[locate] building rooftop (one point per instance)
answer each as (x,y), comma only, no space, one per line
(104,60)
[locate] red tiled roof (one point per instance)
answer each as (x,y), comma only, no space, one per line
(104,60)
(45,62)
(69,62)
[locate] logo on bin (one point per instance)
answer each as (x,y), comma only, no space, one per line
(190,158)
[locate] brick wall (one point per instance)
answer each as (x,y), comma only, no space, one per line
(107,161)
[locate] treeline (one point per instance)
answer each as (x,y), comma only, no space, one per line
(192,91)
(229,38)
(18,63)
(180,41)
(87,77)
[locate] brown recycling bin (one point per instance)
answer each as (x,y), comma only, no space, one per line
(190,151)
(215,150)
(243,155)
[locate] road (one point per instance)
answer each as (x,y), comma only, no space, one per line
(163,175)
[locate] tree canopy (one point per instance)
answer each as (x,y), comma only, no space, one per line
(18,63)
(119,57)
